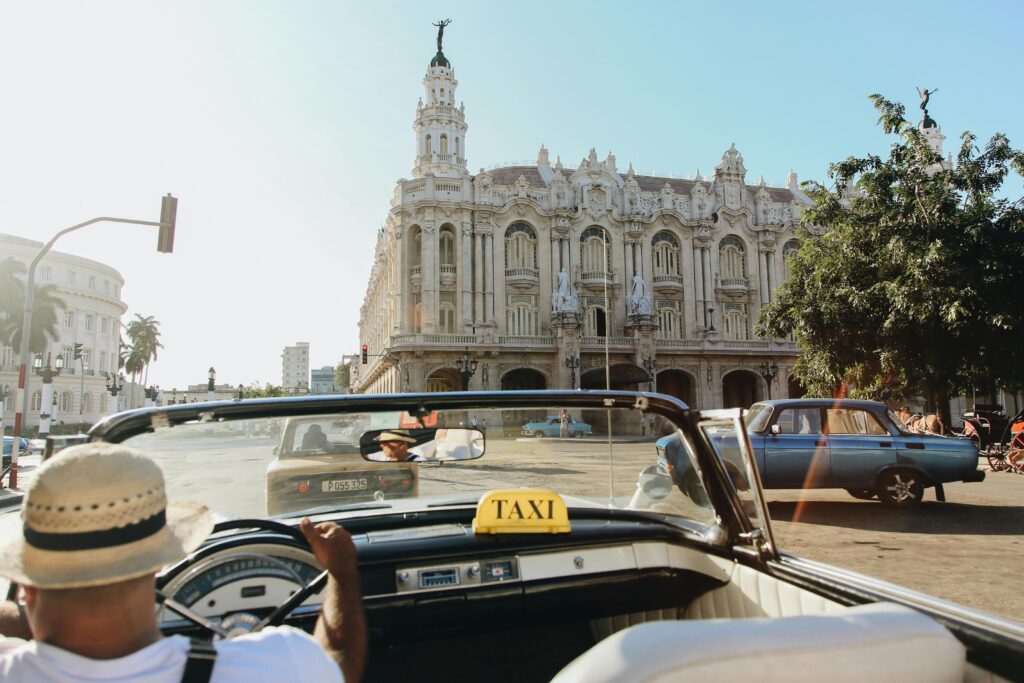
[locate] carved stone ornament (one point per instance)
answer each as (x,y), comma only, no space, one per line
(596,197)
(733,200)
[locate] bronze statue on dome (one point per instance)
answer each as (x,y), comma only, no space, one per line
(925,95)
(441,23)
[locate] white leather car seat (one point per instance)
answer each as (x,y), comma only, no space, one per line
(878,642)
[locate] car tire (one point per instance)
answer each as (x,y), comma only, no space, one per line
(900,488)
(539,434)
(578,435)
(862,494)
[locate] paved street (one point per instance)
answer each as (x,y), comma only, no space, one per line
(967,550)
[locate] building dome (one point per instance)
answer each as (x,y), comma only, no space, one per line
(928,122)
(440,60)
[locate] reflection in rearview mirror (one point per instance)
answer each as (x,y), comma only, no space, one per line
(421,445)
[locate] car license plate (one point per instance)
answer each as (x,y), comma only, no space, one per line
(335,485)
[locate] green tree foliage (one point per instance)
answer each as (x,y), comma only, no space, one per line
(46,308)
(143,344)
(915,287)
(259,390)
(342,375)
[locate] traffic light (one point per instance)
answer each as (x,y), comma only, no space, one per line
(364,349)
(78,351)
(168,220)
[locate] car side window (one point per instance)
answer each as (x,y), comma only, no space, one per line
(799,421)
(847,421)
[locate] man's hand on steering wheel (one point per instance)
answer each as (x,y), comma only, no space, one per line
(333,547)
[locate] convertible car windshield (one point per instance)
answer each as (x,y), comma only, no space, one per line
(318,463)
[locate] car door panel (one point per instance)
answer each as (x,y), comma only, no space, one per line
(798,456)
(857,457)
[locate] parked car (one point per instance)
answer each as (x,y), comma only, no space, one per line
(9,446)
(552,426)
(859,446)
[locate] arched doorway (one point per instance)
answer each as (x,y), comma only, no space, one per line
(623,377)
(740,389)
(679,384)
(445,379)
(518,380)
(523,379)
(795,387)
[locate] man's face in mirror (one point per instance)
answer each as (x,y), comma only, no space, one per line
(395,450)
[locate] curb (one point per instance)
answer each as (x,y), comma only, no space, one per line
(10,499)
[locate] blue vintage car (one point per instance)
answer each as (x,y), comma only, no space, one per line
(9,446)
(860,446)
(552,426)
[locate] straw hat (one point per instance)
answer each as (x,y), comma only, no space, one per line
(396,435)
(98,514)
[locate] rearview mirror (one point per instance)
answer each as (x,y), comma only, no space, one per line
(776,429)
(421,445)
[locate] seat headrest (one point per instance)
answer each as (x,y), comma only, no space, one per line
(878,642)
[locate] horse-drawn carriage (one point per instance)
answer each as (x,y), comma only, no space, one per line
(999,438)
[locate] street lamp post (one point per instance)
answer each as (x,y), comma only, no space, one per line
(114,385)
(711,318)
(769,372)
(211,377)
(573,363)
(466,367)
(650,365)
(241,392)
(165,244)
(47,374)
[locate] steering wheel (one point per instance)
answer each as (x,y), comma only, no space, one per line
(279,614)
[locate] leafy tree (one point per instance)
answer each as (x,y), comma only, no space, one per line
(914,288)
(342,375)
(144,336)
(259,390)
(46,307)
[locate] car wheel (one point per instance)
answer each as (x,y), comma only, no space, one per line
(578,435)
(900,488)
(539,434)
(862,494)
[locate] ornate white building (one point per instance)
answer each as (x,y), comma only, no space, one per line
(92,293)
(534,268)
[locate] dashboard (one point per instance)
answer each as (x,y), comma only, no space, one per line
(442,574)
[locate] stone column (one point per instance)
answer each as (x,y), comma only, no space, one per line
(489,277)
(478,279)
(465,280)
(770,268)
(699,309)
(762,267)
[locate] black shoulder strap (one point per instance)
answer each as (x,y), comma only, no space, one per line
(199,665)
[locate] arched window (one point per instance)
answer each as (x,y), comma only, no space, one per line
(592,257)
(666,254)
(437,384)
(732,260)
(596,323)
(735,322)
(789,250)
(447,318)
(37,400)
(521,315)
(417,312)
(458,152)
(86,403)
(65,401)
(427,149)
(444,145)
(520,246)
(447,246)
(669,320)
(103,402)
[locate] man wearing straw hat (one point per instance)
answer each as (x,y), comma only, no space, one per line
(394,447)
(96,529)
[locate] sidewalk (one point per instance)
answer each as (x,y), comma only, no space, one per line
(27,466)
(9,497)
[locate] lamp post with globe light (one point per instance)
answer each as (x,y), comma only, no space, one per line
(114,385)
(211,377)
(769,372)
(466,367)
(46,373)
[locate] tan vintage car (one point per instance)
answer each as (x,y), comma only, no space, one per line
(318,464)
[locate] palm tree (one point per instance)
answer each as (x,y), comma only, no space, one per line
(45,307)
(144,333)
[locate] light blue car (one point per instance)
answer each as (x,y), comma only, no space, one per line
(860,446)
(552,426)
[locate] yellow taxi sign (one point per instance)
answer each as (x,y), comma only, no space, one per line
(521,511)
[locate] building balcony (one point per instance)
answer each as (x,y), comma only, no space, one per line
(734,284)
(597,278)
(415,277)
(612,342)
(527,341)
(668,283)
(447,274)
(522,277)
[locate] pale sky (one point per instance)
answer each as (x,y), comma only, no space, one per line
(283,126)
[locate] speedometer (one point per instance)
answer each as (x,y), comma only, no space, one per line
(251,578)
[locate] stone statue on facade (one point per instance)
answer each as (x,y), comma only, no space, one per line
(440,31)
(925,95)
(563,299)
(639,300)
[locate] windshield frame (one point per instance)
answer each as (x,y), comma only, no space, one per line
(723,497)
